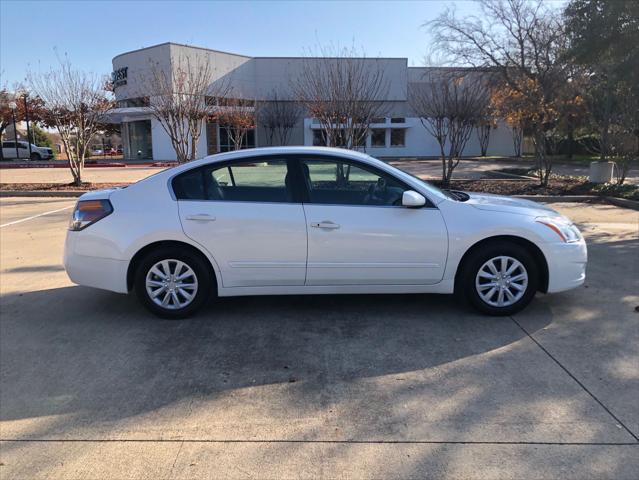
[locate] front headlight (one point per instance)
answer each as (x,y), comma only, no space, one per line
(565,229)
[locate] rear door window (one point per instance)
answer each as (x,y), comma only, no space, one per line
(250,180)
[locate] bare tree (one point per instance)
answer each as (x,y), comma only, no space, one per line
(522,40)
(449,105)
(238,116)
(517,132)
(279,117)
(484,126)
(75,104)
(344,93)
(182,98)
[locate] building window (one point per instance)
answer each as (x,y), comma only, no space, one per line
(229,102)
(378,137)
(226,140)
(133,102)
(137,140)
(319,139)
(378,120)
(398,120)
(398,137)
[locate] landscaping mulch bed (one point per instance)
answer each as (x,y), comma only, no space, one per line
(519,187)
(57,187)
(557,186)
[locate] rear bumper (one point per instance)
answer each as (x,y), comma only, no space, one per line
(97,272)
(566,265)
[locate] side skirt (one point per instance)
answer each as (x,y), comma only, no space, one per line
(445,286)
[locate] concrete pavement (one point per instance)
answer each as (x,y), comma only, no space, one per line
(316,387)
(63,175)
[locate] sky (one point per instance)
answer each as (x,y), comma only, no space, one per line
(34,34)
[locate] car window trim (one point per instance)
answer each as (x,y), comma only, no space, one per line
(228,164)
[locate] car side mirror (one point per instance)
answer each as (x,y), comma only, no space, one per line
(412,199)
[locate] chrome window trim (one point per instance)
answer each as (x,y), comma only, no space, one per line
(297,156)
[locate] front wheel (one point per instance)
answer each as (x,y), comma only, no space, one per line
(35,157)
(499,279)
(172,283)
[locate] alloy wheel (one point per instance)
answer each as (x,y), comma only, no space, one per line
(501,281)
(171,284)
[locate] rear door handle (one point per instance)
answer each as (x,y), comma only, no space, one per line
(326,225)
(201,217)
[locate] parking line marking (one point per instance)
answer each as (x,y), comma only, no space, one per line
(35,216)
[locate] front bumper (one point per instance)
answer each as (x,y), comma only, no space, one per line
(566,265)
(90,271)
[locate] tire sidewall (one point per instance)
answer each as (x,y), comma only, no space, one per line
(204,291)
(481,256)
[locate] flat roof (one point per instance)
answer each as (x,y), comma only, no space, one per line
(247,56)
(180,45)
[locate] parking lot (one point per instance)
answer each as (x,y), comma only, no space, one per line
(407,386)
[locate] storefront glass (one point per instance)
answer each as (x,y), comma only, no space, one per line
(137,140)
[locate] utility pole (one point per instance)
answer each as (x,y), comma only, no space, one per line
(13,107)
(26,117)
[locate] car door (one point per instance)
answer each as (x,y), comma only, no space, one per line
(246,215)
(23,149)
(9,149)
(360,234)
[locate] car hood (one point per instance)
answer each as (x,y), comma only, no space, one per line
(498,203)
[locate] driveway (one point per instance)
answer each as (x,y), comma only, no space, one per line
(408,386)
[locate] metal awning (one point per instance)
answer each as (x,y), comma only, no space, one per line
(127,114)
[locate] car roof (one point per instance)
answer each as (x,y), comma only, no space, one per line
(264,151)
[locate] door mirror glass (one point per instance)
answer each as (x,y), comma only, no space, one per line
(411,198)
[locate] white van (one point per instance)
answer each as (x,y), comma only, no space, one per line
(37,153)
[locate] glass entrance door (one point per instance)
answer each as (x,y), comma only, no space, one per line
(138,143)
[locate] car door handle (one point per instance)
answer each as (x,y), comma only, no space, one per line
(325,224)
(201,217)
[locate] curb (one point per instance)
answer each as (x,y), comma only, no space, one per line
(619,202)
(42,193)
(623,202)
(561,198)
(18,166)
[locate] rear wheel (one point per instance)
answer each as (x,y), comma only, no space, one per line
(173,283)
(499,279)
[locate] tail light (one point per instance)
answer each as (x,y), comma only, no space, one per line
(87,212)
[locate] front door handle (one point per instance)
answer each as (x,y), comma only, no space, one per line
(326,225)
(201,217)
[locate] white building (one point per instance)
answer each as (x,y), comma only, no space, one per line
(399,134)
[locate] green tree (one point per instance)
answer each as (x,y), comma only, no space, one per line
(40,137)
(604,41)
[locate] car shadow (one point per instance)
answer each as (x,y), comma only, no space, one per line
(77,350)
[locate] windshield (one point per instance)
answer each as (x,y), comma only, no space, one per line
(429,186)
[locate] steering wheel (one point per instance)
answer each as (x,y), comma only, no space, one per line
(377,193)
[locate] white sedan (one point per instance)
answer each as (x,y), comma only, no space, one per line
(307,220)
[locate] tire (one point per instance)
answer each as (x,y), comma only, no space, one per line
(517,288)
(198,274)
(35,157)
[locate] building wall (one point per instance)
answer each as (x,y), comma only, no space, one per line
(257,78)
